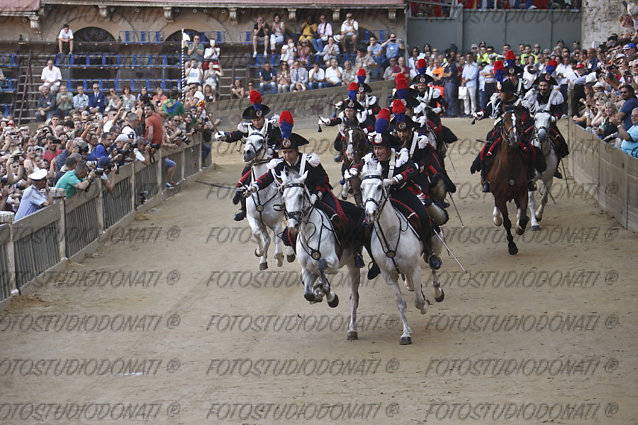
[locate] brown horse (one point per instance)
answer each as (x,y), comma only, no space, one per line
(508,178)
(356,145)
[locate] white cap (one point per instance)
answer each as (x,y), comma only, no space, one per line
(198,95)
(38,175)
(591,78)
(599,84)
(122,138)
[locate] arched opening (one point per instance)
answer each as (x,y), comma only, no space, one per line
(92,43)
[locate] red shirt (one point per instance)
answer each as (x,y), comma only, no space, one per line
(156,122)
(49,155)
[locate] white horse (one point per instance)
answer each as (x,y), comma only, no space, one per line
(395,245)
(542,140)
(263,208)
(317,250)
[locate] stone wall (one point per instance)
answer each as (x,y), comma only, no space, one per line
(600,19)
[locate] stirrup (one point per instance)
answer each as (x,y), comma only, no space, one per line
(557,174)
(486,187)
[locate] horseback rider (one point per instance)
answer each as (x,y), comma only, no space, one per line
(351,115)
(431,101)
(267,128)
(547,98)
(345,214)
(505,100)
(513,73)
(369,102)
(403,189)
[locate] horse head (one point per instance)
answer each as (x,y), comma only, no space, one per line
(372,190)
(254,148)
(295,197)
(357,144)
(511,128)
(541,125)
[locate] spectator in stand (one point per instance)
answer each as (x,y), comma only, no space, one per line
(211,54)
(173,106)
(324,29)
(401,67)
(46,104)
(490,81)
(450,84)
(330,51)
(277,32)
(375,50)
(308,30)
(250,85)
(65,38)
(212,76)
(143,97)
(392,47)
(389,72)
(349,74)
(196,49)
(283,78)
(333,74)
(193,72)
(128,100)
(113,101)
(364,61)
(349,30)
(76,179)
(51,76)
(155,134)
(470,74)
(623,117)
(64,101)
(316,77)
(97,100)
(288,52)
(415,55)
(298,77)
(236,90)
(267,80)
(303,52)
(260,31)
(629,136)
(159,97)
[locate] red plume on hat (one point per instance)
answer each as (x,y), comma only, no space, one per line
(361,76)
(255,98)
(510,58)
(383,118)
(285,124)
(352,90)
(499,71)
(421,66)
(401,84)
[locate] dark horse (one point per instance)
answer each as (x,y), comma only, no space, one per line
(508,178)
(355,146)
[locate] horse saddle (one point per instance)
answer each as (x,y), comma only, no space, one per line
(338,225)
(409,214)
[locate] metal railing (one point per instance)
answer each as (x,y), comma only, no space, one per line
(39,241)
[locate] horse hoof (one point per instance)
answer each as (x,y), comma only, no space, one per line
(290,258)
(263,266)
(258,253)
(498,221)
(536,228)
(513,250)
(310,297)
(280,259)
(520,231)
(353,336)
(406,340)
(334,302)
(409,286)
(441,298)
(539,217)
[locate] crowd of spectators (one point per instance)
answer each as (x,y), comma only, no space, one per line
(82,137)
(431,9)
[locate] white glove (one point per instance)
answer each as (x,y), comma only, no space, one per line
(437,110)
(348,174)
(313,198)
(389,182)
(323,121)
(275,120)
(221,136)
(478,115)
(404,156)
(553,118)
(249,190)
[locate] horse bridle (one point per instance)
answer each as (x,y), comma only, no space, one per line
(507,134)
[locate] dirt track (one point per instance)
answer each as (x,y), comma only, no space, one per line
(541,337)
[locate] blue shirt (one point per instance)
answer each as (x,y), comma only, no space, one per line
(268,76)
(97,153)
(627,146)
(626,108)
(31,201)
(392,49)
(470,72)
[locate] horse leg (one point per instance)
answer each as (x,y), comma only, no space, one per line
(391,279)
(414,277)
(355,279)
(532,205)
(498,220)
(547,185)
(260,234)
(439,295)
(521,203)
(279,255)
(308,280)
(355,183)
(507,224)
(344,189)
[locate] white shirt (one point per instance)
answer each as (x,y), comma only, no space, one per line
(66,35)
(52,74)
(469,73)
(319,75)
(332,76)
(351,28)
(566,71)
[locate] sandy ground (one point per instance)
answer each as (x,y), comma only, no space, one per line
(171,323)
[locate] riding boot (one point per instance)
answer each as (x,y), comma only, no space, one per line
(430,257)
(241,214)
(476,165)
(373,268)
(486,183)
(338,158)
(539,160)
(557,173)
